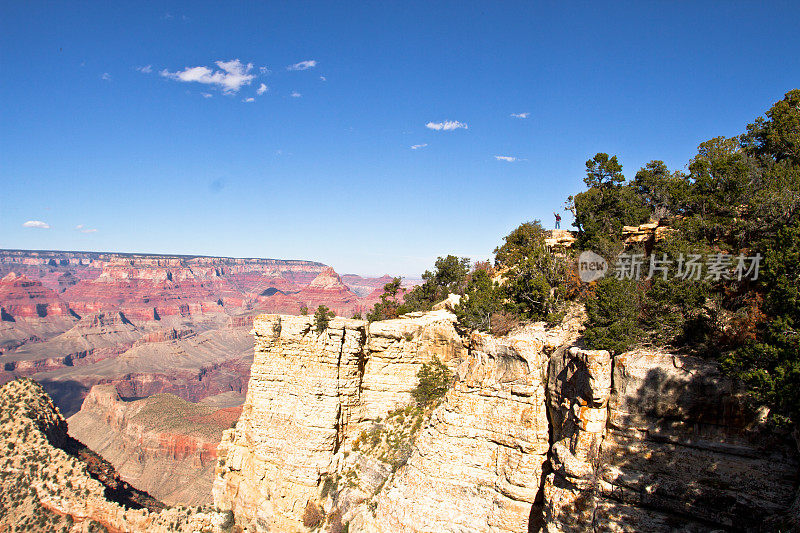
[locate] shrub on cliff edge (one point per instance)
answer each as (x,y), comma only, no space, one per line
(434,380)
(481,300)
(322,316)
(613,316)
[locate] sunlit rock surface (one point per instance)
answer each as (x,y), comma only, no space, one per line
(536,433)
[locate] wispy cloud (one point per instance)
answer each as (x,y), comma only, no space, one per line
(147,69)
(520,115)
(323,78)
(262,89)
(447,125)
(264,70)
(295,94)
(303,65)
(231,77)
(249,100)
(207,95)
(508,158)
(418,146)
(36,224)
(84,229)
(105,76)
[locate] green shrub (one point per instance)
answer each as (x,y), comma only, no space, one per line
(322,316)
(481,300)
(528,293)
(448,277)
(434,381)
(613,316)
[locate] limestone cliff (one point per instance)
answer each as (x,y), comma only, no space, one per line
(536,433)
(650,441)
(310,396)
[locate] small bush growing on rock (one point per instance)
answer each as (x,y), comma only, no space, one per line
(613,316)
(502,323)
(434,380)
(313,516)
(322,317)
(304,310)
(330,486)
(481,299)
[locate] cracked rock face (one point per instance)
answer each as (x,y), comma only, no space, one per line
(651,441)
(310,395)
(478,464)
(536,434)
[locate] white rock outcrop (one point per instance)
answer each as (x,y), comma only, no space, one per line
(536,434)
(310,395)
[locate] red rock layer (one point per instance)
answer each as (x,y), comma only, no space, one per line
(148,287)
(21,297)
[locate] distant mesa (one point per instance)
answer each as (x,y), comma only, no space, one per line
(271,291)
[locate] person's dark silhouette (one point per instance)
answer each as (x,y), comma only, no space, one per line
(558,220)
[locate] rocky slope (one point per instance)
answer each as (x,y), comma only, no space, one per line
(162,444)
(536,433)
(52,483)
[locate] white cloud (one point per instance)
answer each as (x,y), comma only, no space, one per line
(264,70)
(84,229)
(520,115)
(207,95)
(232,76)
(323,78)
(296,94)
(36,224)
(303,65)
(262,89)
(147,69)
(105,76)
(508,158)
(249,100)
(447,125)
(418,146)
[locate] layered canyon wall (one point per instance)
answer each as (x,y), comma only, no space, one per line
(51,482)
(150,323)
(162,444)
(310,395)
(536,434)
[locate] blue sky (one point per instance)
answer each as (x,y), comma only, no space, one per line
(107,124)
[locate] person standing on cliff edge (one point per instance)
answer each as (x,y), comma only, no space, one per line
(558,220)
